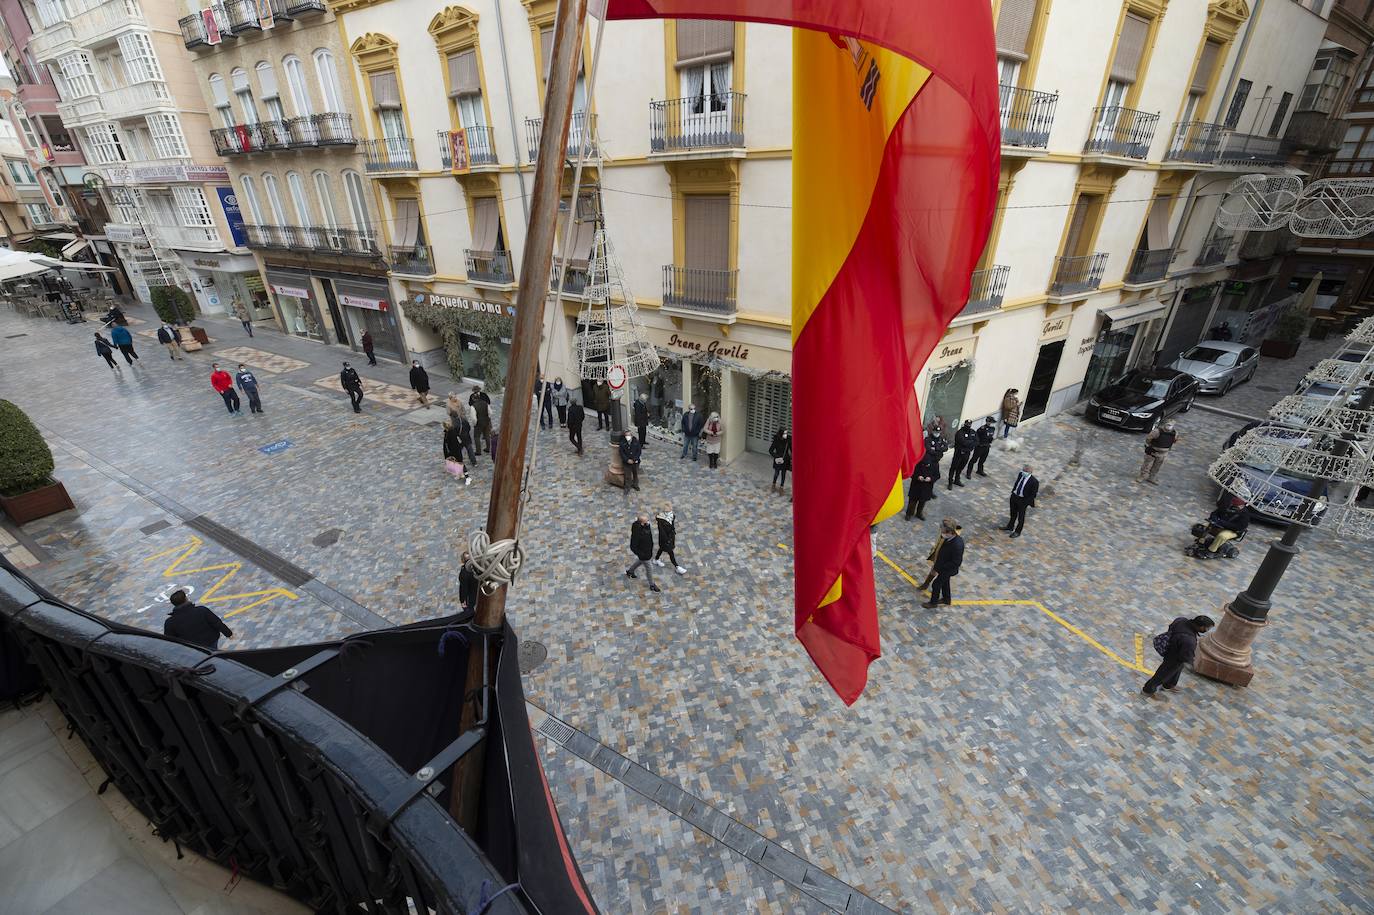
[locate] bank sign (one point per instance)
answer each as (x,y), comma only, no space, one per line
(232,215)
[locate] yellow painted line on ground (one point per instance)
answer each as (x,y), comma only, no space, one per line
(230,569)
(1139,651)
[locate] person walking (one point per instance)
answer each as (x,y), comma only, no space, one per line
(224,386)
(781,452)
(935,550)
(987,434)
(639,413)
(543,390)
(350,382)
(248,384)
(922,488)
(561,398)
(105,350)
(480,401)
(193,623)
(115,316)
(965,440)
(667,538)
(601,402)
(453,451)
(241,312)
(1158,444)
(1023,492)
(170,337)
(368,350)
(455,406)
(631,449)
(1011,411)
(120,337)
(948,560)
(642,545)
(576,416)
(692,423)
(712,432)
(1180,645)
(419,382)
(468,584)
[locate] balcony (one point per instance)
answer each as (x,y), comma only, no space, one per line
(298,8)
(687,124)
(416,260)
(137,99)
(1197,142)
(81,111)
(1250,150)
(1121,132)
(473,144)
(1349,168)
(699,292)
(1149,266)
(316,130)
(93,25)
(489,267)
(190,238)
(390,154)
(1216,251)
(193,32)
(1075,276)
(1027,117)
(578,278)
(242,16)
(1315,132)
(263,136)
(986,291)
(319,239)
(581,130)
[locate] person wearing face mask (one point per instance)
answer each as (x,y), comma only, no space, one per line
(419,382)
(224,387)
(692,423)
(965,440)
(1157,446)
(781,451)
(248,384)
(350,382)
(936,446)
(561,398)
(639,413)
(947,563)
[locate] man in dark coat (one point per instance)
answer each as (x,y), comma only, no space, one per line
(576,416)
(692,424)
(936,446)
(170,337)
(468,584)
(1022,497)
(1183,633)
(987,434)
(193,623)
(105,350)
(947,563)
(601,402)
(419,382)
(463,430)
(965,440)
(480,401)
(350,382)
(544,390)
(642,545)
(640,415)
(368,348)
(922,488)
(630,450)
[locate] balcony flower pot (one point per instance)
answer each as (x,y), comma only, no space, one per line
(1286,336)
(27,489)
(37,503)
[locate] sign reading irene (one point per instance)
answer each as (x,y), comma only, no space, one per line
(711,347)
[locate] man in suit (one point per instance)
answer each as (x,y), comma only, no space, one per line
(1022,497)
(947,562)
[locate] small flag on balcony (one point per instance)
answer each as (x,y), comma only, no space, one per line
(212,36)
(895,159)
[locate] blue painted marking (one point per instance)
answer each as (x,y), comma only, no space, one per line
(276,447)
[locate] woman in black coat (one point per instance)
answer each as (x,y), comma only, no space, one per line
(922,488)
(453,449)
(781,451)
(667,538)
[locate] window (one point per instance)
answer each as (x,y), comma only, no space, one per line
(1082,225)
(244,93)
(326,197)
(329,80)
(59,140)
(50,13)
(1280,114)
(30,135)
(1015,20)
(249,190)
(1130,50)
(128,205)
(1325,82)
(103,142)
(274,199)
(705,51)
(465,88)
(53,190)
(220,95)
(1202,78)
(298,198)
(77,74)
(271,96)
(386,101)
(357,204)
(295,81)
(140,63)
(486,225)
(20,172)
(409,231)
(39,214)
(168,143)
(192,207)
(706,231)
(1238,102)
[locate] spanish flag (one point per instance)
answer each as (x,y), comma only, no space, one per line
(895,164)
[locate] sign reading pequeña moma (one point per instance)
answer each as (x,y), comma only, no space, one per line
(456,301)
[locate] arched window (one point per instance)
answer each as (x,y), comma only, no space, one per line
(244,93)
(299,199)
(357,203)
(326,196)
(269,181)
(271,96)
(295,81)
(329,80)
(221,96)
(248,188)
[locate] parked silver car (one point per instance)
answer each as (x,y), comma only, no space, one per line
(1218,365)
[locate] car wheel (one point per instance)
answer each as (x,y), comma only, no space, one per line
(1225,389)
(1153,424)
(1251,376)
(1187,405)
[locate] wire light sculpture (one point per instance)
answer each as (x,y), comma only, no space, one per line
(1334,208)
(609,334)
(1259,202)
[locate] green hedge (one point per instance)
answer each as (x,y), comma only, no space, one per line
(164,296)
(448,323)
(25,459)
(1291,325)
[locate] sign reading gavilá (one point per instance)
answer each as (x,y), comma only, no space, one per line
(276,447)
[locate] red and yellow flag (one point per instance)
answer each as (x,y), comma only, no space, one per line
(895,164)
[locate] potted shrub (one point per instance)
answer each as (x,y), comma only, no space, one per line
(27,489)
(175,306)
(1286,335)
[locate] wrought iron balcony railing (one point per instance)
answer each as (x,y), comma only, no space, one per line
(242,16)
(332,128)
(193,32)
(263,136)
(476,143)
(390,154)
(581,132)
(702,122)
(700,290)
(489,266)
(304,7)
(1195,141)
(987,289)
(1074,275)
(1123,132)
(578,278)
(321,239)
(1217,249)
(1149,265)
(1250,149)
(1027,116)
(415,260)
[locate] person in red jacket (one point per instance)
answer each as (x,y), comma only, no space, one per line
(224,385)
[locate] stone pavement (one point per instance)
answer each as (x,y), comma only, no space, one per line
(1002,759)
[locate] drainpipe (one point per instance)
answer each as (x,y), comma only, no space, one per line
(510,111)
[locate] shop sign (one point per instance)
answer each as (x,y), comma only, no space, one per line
(160,174)
(721,348)
(295,292)
(951,352)
(253,283)
(232,215)
(358,301)
(209,263)
(1055,327)
(455,301)
(1086,345)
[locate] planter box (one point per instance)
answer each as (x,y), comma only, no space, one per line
(1278,349)
(39,503)
(200,335)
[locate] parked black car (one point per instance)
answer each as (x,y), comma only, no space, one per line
(1143,398)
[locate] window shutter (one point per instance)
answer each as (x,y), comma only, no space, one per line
(1130,47)
(546,49)
(240,80)
(1157,225)
(267,79)
(462,73)
(219,93)
(485,224)
(707,232)
(704,38)
(1076,224)
(583,233)
(1014,23)
(407,222)
(1206,66)
(386,92)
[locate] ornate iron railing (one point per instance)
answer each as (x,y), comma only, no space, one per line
(1123,132)
(987,289)
(489,266)
(699,289)
(714,119)
(1027,116)
(1073,275)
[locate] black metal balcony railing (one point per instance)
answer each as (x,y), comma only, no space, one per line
(987,289)
(581,132)
(313,130)
(1216,250)
(242,16)
(247,138)
(321,239)
(701,290)
(415,260)
(305,7)
(489,266)
(1121,132)
(578,278)
(1073,275)
(281,10)
(1250,149)
(481,147)
(1195,141)
(390,154)
(330,129)
(193,32)
(1149,265)
(1027,116)
(703,122)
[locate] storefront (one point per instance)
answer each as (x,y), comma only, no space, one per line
(484,332)
(365,307)
(948,371)
(218,279)
(1119,339)
(1054,332)
(296,304)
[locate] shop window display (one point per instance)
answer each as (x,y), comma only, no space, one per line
(664,388)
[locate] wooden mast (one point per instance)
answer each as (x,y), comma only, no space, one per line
(503,512)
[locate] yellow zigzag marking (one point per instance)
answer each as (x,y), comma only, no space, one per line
(231,569)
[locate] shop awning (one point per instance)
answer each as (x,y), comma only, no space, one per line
(73,248)
(60,236)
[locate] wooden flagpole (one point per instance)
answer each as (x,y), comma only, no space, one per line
(503,512)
